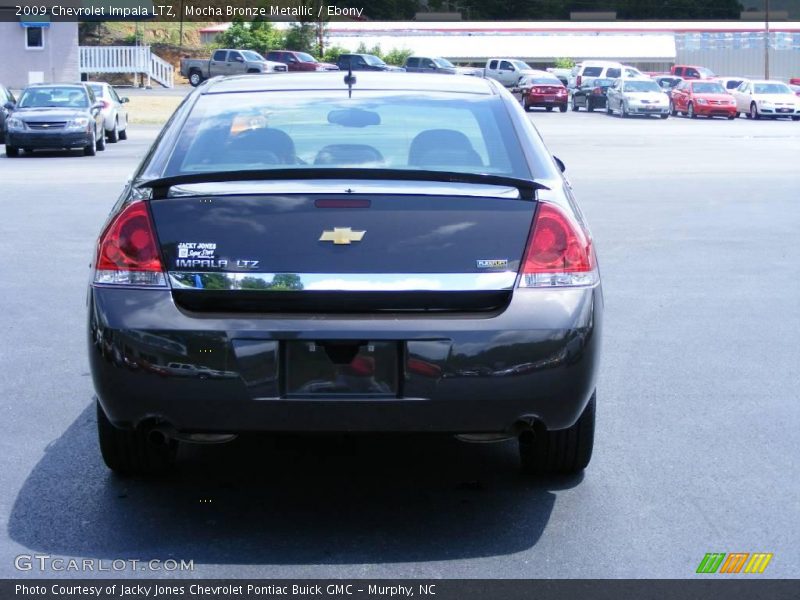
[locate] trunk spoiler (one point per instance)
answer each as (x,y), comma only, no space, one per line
(161,186)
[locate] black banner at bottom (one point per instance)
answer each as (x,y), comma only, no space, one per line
(384,589)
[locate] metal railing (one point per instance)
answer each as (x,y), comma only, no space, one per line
(138,60)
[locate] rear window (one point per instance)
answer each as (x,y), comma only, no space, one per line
(273,130)
(592,71)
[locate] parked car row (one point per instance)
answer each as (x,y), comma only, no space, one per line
(81,116)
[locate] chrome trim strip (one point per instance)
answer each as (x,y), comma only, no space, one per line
(346,186)
(345,282)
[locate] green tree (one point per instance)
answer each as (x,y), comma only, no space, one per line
(302,37)
(333,53)
(286,281)
(397,57)
(257,35)
(564,63)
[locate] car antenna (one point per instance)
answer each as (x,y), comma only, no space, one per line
(349,80)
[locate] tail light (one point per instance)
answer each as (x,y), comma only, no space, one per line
(127,253)
(578,81)
(559,252)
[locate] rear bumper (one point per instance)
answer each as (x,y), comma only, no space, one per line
(537,360)
(49,139)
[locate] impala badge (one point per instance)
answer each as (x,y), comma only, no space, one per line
(342,235)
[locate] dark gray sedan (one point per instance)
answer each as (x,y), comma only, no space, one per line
(55,117)
(367,254)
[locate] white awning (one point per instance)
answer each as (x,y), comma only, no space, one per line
(534,47)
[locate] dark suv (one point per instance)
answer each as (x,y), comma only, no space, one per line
(55,116)
(364,62)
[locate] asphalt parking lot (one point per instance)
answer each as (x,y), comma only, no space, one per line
(695,223)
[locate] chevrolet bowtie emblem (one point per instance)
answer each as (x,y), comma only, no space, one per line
(341,235)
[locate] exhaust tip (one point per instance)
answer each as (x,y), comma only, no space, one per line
(157,437)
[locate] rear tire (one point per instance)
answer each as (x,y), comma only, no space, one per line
(525,104)
(128,452)
(123,135)
(195,77)
(664,116)
(113,135)
(563,108)
(566,451)
(101,143)
(12,151)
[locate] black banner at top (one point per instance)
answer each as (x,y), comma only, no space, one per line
(31,11)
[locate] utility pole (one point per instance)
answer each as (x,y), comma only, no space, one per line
(766,39)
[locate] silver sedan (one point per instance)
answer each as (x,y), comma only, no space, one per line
(115,114)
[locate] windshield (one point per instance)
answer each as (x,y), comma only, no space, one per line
(443,62)
(252,56)
(641,86)
(303,57)
(275,130)
(522,66)
(373,60)
(708,88)
(772,88)
(54,97)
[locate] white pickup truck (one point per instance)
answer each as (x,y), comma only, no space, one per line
(507,71)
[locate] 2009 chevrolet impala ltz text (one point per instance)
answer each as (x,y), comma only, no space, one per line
(370,252)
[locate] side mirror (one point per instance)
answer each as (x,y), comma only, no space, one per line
(9,106)
(560,164)
(124,100)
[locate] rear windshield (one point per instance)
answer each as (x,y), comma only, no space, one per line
(275,130)
(641,86)
(772,88)
(54,97)
(545,81)
(592,71)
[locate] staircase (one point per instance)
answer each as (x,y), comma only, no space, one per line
(138,60)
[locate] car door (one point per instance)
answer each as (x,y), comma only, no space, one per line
(507,73)
(122,113)
(96,113)
(218,63)
(742,95)
(427,65)
(236,63)
(613,95)
(679,97)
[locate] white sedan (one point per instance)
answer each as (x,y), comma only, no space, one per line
(115,114)
(764,98)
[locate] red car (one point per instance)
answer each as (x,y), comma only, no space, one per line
(299,61)
(706,98)
(546,92)
(795,81)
